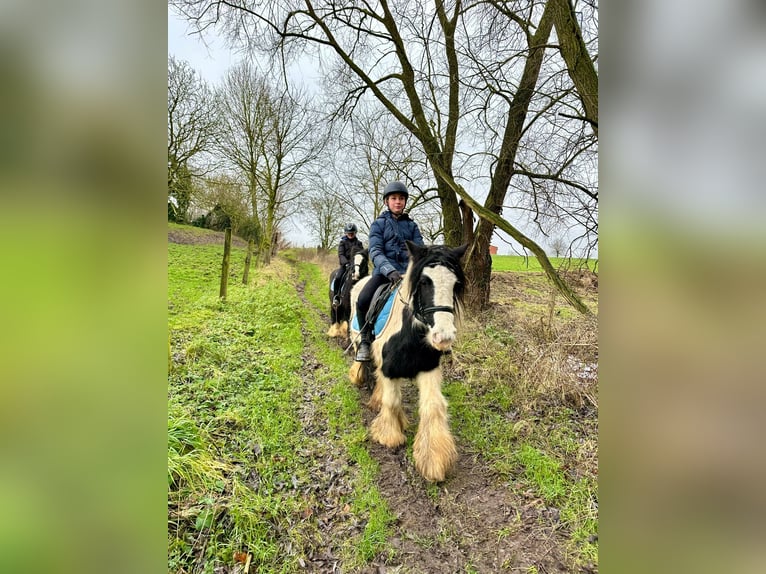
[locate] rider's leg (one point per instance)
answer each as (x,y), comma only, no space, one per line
(362,306)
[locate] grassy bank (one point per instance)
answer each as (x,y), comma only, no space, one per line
(249,459)
(268,459)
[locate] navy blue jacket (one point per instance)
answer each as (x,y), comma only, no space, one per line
(387,248)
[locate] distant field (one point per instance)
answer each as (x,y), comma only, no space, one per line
(519,263)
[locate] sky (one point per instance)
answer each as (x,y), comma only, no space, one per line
(211,58)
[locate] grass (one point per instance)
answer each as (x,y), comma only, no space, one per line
(519,263)
(242,473)
(244,478)
(518,397)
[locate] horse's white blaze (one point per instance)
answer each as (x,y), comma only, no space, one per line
(444,332)
(358,258)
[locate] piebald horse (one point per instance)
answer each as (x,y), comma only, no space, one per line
(420,329)
(339,314)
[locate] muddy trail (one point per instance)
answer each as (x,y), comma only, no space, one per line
(471,522)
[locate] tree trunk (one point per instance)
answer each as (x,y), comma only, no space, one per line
(478,271)
(478,261)
(578,60)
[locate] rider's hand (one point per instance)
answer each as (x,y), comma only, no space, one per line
(394,276)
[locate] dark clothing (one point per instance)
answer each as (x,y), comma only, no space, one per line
(345,247)
(387,248)
(388,253)
(365,296)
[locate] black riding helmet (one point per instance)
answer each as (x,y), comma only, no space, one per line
(395,187)
(350,228)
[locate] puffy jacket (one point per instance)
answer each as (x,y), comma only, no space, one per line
(387,248)
(345,247)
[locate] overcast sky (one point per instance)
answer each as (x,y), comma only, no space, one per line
(211,60)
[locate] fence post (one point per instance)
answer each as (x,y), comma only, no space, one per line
(247,261)
(225,265)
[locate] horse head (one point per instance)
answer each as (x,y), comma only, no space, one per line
(359,260)
(435,283)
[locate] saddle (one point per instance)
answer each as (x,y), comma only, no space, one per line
(380,308)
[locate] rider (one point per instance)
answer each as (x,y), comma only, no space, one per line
(348,244)
(388,253)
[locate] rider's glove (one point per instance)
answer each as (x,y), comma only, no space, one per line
(394,276)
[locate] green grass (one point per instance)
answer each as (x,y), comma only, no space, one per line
(522,264)
(524,431)
(239,463)
(240,468)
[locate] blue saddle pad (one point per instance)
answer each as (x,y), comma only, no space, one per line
(382,318)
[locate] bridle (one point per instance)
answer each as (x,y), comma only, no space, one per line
(420,312)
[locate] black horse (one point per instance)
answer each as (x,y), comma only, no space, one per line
(340,309)
(421,327)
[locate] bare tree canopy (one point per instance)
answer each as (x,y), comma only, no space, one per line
(479,85)
(268,138)
(191,127)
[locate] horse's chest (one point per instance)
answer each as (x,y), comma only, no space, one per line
(404,356)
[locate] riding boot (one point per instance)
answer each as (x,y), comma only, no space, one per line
(363,352)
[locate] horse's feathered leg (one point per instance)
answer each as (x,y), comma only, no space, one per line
(356,373)
(434,449)
(387,428)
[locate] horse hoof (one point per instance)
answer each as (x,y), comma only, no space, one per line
(386,435)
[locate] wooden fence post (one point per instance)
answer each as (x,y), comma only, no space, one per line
(225,265)
(247,261)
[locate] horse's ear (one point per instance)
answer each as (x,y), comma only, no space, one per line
(416,251)
(460,251)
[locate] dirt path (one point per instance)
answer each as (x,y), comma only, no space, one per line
(471,523)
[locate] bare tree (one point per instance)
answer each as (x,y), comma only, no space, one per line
(191,126)
(268,137)
(324,216)
(559,246)
(450,74)
(293,140)
(371,150)
(227,194)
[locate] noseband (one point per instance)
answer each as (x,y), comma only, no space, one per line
(420,313)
